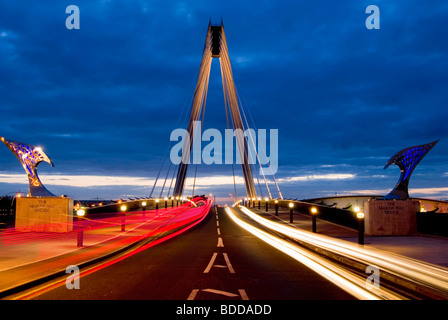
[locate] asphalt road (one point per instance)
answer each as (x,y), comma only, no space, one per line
(214,260)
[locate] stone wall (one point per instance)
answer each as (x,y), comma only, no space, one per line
(391,217)
(44,214)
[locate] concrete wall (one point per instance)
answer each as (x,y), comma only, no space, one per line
(44,214)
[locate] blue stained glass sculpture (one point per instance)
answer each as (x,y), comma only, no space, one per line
(30,156)
(407,159)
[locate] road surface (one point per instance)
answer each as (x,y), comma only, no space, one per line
(212,261)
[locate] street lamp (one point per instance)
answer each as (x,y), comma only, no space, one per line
(177,201)
(123,209)
(276,207)
(253,202)
(314,214)
(259,203)
(143,208)
(166,202)
(291,208)
(157,204)
(266,200)
(360,215)
(172,202)
(80,213)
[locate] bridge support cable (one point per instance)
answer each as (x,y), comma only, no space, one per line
(200,95)
(198,153)
(166,178)
(158,174)
(230,95)
(171,184)
(259,162)
(258,158)
(181,118)
(235,197)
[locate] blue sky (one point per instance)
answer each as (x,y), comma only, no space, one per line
(103,100)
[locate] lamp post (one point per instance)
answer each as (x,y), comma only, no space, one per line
(360,216)
(123,209)
(314,214)
(166,202)
(253,203)
(276,207)
(172,202)
(80,213)
(291,209)
(143,208)
(259,203)
(177,201)
(157,204)
(266,200)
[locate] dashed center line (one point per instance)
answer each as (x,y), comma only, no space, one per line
(242,292)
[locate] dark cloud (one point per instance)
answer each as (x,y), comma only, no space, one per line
(106,97)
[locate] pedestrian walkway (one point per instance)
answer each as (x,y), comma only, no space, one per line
(427,248)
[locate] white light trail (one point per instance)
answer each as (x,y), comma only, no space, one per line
(353,284)
(431,275)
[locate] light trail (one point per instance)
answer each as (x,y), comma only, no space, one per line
(353,284)
(424,273)
(173,226)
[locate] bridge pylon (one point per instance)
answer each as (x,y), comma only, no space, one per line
(216,47)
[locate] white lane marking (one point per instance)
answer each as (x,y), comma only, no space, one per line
(210,264)
(193,294)
(243,294)
(220,243)
(212,261)
(219,231)
(221,292)
(229,265)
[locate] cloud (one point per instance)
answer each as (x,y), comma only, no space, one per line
(86,181)
(329,176)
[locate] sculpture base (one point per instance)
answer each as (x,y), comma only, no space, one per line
(391,217)
(44,214)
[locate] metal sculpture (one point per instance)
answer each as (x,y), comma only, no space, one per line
(407,159)
(30,156)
